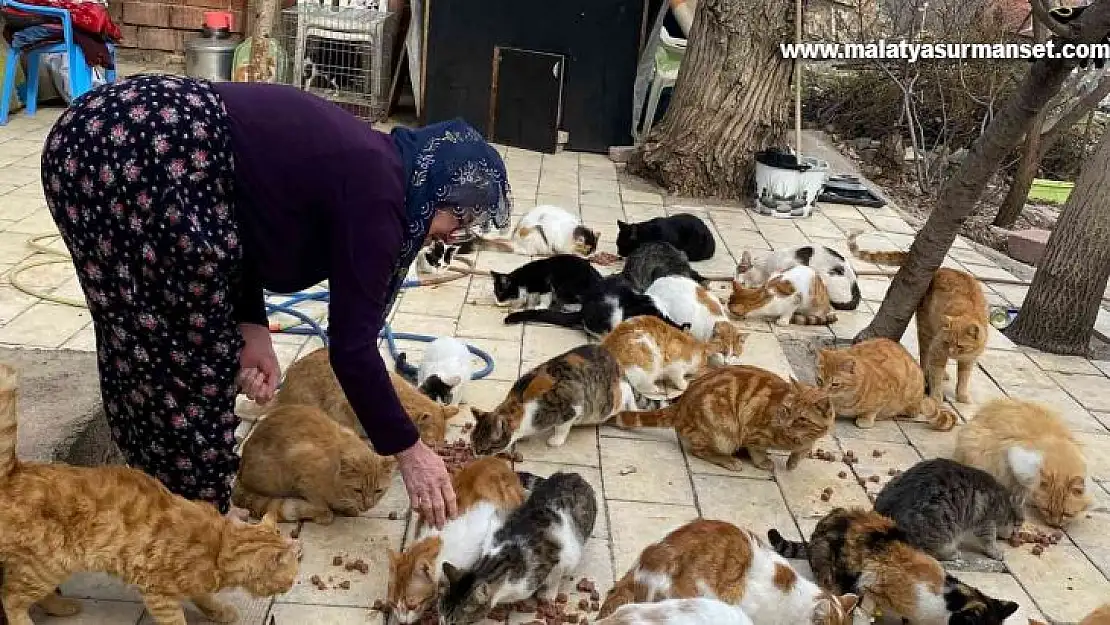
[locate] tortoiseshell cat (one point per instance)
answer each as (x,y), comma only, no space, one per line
(864,552)
(59,519)
(743,407)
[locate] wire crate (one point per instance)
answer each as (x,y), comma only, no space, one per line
(341,53)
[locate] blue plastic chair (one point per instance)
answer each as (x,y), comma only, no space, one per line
(80,73)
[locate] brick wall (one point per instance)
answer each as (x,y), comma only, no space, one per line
(164,25)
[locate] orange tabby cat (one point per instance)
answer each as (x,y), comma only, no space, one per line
(1027,447)
(310,381)
(720,560)
(487,490)
(299,464)
(650,349)
(1100,616)
(740,406)
(951,322)
(798,295)
(58,520)
(878,379)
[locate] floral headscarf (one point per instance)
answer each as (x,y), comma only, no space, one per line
(448,166)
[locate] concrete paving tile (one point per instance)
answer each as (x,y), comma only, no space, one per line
(13,246)
(997,340)
(44,325)
(849,323)
(505,354)
(756,505)
(762,349)
(487,322)
(1092,391)
(1061,364)
(1088,531)
(444,300)
(13,302)
(1102,365)
(427,325)
(884,431)
(1014,370)
(873,289)
(95,612)
(296,614)
(645,434)
(1013,293)
(637,525)
(581,448)
(544,342)
(1003,586)
(605,213)
(637,470)
(99,586)
(486,394)
(633,196)
(1063,582)
(592,475)
(929,442)
(83,341)
(1096,448)
(891,457)
(252,610)
(803,486)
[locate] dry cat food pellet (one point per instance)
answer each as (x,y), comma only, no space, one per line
(595,606)
(585,585)
(595,596)
(862,482)
(893,472)
(1037,550)
(358,565)
(527,606)
(456,454)
(318,583)
(296,533)
(583,604)
(826,496)
(499,613)
(379,606)
(627,471)
(875,478)
(605,259)
(561,598)
(876,453)
(842,474)
(392,515)
(337,561)
(344,585)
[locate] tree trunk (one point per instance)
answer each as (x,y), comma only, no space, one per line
(960,194)
(261,66)
(732,100)
(1059,311)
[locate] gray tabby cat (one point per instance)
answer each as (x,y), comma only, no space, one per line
(539,543)
(941,504)
(653,260)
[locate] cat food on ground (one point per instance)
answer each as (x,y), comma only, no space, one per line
(605,259)
(585,585)
(296,533)
(876,453)
(842,474)
(1038,550)
(337,561)
(358,565)
(583,604)
(893,472)
(456,455)
(344,585)
(875,478)
(318,583)
(380,606)
(393,516)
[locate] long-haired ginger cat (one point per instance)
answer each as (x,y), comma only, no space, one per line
(299,464)
(487,490)
(310,381)
(878,379)
(1027,447)
(951,322)
(57,520)
(740,406)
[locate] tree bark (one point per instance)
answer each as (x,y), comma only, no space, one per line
(960,194)
(732,99)
(261,65)
(1063,301)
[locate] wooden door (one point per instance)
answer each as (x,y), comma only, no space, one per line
(526,98)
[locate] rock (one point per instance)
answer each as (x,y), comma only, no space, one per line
(1027,245)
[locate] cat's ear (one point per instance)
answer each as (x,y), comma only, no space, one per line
(450,573)
(745,262)
(426,571)
(454,380)
(1004,609)
(449,412)
(478,413)
(621,226)
(1077,486)
(848,602)
(449,254)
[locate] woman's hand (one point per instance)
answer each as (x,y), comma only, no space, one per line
(259,372)
(428,484)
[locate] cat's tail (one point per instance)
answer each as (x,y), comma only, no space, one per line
(851,304)
(529,481)
(286,510)
(9,399)
(404,369)
(936,415)
(491,245)
(883,257)
(546,315)
(791,549)
(658,418)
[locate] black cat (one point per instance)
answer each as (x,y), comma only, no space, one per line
(656,259)
(553,282)
(684,231)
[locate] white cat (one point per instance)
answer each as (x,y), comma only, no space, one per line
(549,229)
(835,271)
(435,258)
(797,294)
(697,611)
(445,370)
(684,301)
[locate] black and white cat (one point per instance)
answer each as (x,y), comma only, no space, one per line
(686,232)
(558,281)
(436,257)
(835,271)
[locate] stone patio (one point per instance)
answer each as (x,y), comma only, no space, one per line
(649,484)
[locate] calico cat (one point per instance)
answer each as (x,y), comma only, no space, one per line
(836,272)
(612,301)
(487,490)
(655,259)
(942,504)
(878,379)
(951,322)
(580,387)
(864,552)
(797,295)
(297,464)
(696,611)
(551,230)
(59,519)
(436,257)
(719,560)
(687,303)
(1027,447)
(558,281)
(739,406)
(686,232)
(540,542)
(310,381)
(649,350)
(444,370)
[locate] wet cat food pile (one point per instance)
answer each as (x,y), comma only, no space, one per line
(1040,539)
(359,565)
(562,610)
(456,454)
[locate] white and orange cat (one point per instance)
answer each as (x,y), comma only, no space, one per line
(797,295)
(719,560)
(651,350)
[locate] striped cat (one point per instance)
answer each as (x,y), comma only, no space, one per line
(797,295)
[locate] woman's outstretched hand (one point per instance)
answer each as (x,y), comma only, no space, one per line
(259,371)
(428,484)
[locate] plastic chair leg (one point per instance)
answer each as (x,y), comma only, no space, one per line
(11,62)
(80,74)
(32,101)
(652,104)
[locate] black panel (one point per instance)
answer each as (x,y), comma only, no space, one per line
(527,93)
(600,40)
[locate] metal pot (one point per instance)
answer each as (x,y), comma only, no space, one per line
(210,54)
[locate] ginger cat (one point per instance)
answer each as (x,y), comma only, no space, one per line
(719,560)
(740,406)
(310,381)
(299,464)
(58,520)
(1101,616)
(797,295)
(650,349)
(951,322)
(487,490)
(1027,447)
(878,379)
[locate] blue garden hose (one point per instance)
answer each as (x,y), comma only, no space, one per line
(306,325)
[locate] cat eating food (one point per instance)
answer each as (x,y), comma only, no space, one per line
(684,231)
(796,295)
(558,281)
(297,463)
(836,272)
(942,504)
(649,350)
(1027,447)
(717,559)
(656,259)
(444,371)
(549,229)
(743,407)
(59,519)
(878,379)
(436,257)
(865,553)
(688,304)
(540,542)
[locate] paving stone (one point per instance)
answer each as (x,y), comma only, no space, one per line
(1014,370)
(487,322)
(542,343)
(581,448)
(763,350)
(1096,448)
(44,325)
(987,272)
(252,610)
(505,355)
(637,525)
(893,456)
(756,505)
(590,474)
(637,470)
(95,612)
(296,614)
(802,488)
(873,289)
(1061,364)
(441,300)
(929,442)
(1063,582)
(884,431)
(1092,391)
(1088,531)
